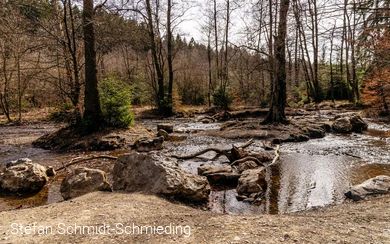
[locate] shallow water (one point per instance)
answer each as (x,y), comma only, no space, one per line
(309,174)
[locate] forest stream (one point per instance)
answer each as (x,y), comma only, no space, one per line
(308,175)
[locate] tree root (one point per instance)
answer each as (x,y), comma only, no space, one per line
(245,159)
(78,160)
(231,154)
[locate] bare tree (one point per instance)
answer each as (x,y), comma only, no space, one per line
(278,94)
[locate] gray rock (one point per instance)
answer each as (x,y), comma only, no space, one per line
(146,144)
(206,169)
(342,125)
(50,171)
(223,179)
(23,177)
(164,134)
(109,143)
(156,173)
(377,185)
(349,123)
(82,181)
(296,137)
(167,127)
(246,165)
(19,161)
(314,131)
(358,124)
(251,181)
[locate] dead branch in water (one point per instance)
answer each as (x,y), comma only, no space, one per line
(277,155)
(232,154)
(267,145)
(254,157)
(78,160)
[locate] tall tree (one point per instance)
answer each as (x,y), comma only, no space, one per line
(66,35)
(92,117)
(169,106)
(278,94)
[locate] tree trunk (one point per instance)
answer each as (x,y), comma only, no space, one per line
(169,106)
(210,73)
(216,40)
(278,96)
(17,59)
(155,57)
(352,30)
(4,95)
(92,111)
(314,21)
(331,64)
(225,76)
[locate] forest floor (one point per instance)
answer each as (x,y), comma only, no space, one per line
(120,216)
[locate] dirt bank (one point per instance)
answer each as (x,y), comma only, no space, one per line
(363,222)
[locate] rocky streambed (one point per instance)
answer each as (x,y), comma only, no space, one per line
(309,174)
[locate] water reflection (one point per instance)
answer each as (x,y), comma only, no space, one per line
(309,181)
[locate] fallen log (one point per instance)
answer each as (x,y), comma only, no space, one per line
(232,154)
(78,160)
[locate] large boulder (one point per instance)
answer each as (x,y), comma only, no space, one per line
(358,124)
(377,185)
(155,173)
(82,181)
(251,181)
(23,177)
(342,125)
(349,123)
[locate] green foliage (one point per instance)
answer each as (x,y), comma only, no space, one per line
(165,107)
(67,113)
(341,90)
(115,101)
(223,97)
(192,96)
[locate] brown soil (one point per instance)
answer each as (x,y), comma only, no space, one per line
(363,222)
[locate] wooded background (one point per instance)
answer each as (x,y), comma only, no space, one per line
(335,50)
